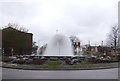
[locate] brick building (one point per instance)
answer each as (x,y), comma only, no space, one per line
(0,42)
(16,42)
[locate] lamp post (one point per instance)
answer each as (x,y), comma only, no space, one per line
(12,51)
(2,53)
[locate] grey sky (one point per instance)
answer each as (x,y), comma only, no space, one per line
(87,19)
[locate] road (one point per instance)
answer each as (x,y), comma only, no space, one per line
(0,73)
(77,74)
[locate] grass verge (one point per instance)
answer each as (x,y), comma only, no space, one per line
(55,67)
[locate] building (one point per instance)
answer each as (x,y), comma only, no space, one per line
(99,51)
(16,42)
(0,42)
(91,50)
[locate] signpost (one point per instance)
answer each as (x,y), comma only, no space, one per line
(12,51)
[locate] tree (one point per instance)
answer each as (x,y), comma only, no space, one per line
(74,39)
(34,47)
(113,37)
(17,27)
(75,43)
(119,37)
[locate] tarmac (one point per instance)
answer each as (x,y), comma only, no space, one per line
(74,74)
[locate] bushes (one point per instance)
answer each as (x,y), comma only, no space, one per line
(23,61)
(35,62)
(103,60)
(7,59)
(115,59)
(19,61)
(99,60)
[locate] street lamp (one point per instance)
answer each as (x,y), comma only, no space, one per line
(12,51)
(3,53)
(0,53)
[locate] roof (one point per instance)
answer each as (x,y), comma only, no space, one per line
(14,29)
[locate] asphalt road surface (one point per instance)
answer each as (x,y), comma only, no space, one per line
(77,74)
(0,73)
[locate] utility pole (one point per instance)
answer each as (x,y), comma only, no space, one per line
(89,42)
(102,43)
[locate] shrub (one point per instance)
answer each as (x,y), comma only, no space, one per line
(36,62)
(115,59)
(99,60)
(8,59)
(19,61)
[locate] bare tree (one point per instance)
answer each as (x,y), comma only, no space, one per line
(17,27)
(74,39)
(34,47)
(113,37)
(118,37)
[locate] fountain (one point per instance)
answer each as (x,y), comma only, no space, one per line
(59,45)
(59,48)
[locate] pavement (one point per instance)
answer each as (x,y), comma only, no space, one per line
(76,74)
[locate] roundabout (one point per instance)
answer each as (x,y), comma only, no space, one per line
(60,59)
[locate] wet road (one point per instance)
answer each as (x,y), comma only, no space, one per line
(77,74)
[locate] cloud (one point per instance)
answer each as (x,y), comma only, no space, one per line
(88,19)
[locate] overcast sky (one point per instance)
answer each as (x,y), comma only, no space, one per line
(87,19)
